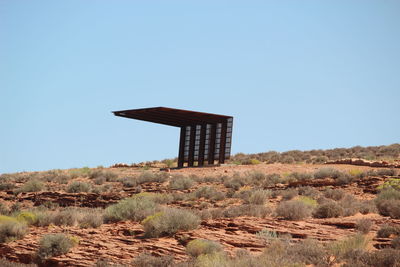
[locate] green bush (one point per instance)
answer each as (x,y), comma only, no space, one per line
(198,247)
(129,181)
(12,230)
(54,245)
(78,187)
(130,209)
(293,210)
(342,247)
(169,222)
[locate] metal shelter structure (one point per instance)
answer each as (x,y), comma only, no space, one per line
(204,137)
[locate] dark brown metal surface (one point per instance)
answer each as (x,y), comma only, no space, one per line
(209,137)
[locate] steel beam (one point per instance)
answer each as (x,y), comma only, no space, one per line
(181,155)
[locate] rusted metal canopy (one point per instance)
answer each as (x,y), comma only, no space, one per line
(203,137)
(172,116)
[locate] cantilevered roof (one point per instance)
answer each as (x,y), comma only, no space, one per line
(171,116)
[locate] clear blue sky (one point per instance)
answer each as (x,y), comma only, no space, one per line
(294,74)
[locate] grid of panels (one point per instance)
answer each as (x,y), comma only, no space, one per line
(228,139)
(197,136)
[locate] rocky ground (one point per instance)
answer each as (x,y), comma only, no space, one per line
(120,242)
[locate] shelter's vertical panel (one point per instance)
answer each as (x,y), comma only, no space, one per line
(211,146)
(222,143)
(192,146)
(202,144)
(181,155)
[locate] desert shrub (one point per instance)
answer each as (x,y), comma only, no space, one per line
(6,186)
(386,172)
(148,260)
(300,176)
(208,260)
(308,201)
(149,177)
(6,263)
(79,172)
(288,160)
(78,187)
(390,184)
(293,210)
(367,206)
(159,198)
(387,230)
(198,247)
(260,211)
(244,193)
(258,197)
(388,201)
(109,176)
(327,173)
(235,182)
(99,180)
(364,225)
(68,217)
(396,243)
(308,191)
(169,222)
(272,179)
(31,186)
(12,230)
(335,194)
(330,209)
(382,258)
(180,183)
(289,194)
(308,251)
(209,192)
(130,209)
(129,181)
(342,247)
(51,245)
(255,178)
(43,218)
(26,217)
(251,162)
(3,209)
(91,218)
(350,205)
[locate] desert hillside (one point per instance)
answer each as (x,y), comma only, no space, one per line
(314,208)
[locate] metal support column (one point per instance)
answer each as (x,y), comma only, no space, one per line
(211,148)
(222,143)
(181,155)
(191,145)
(202,144)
